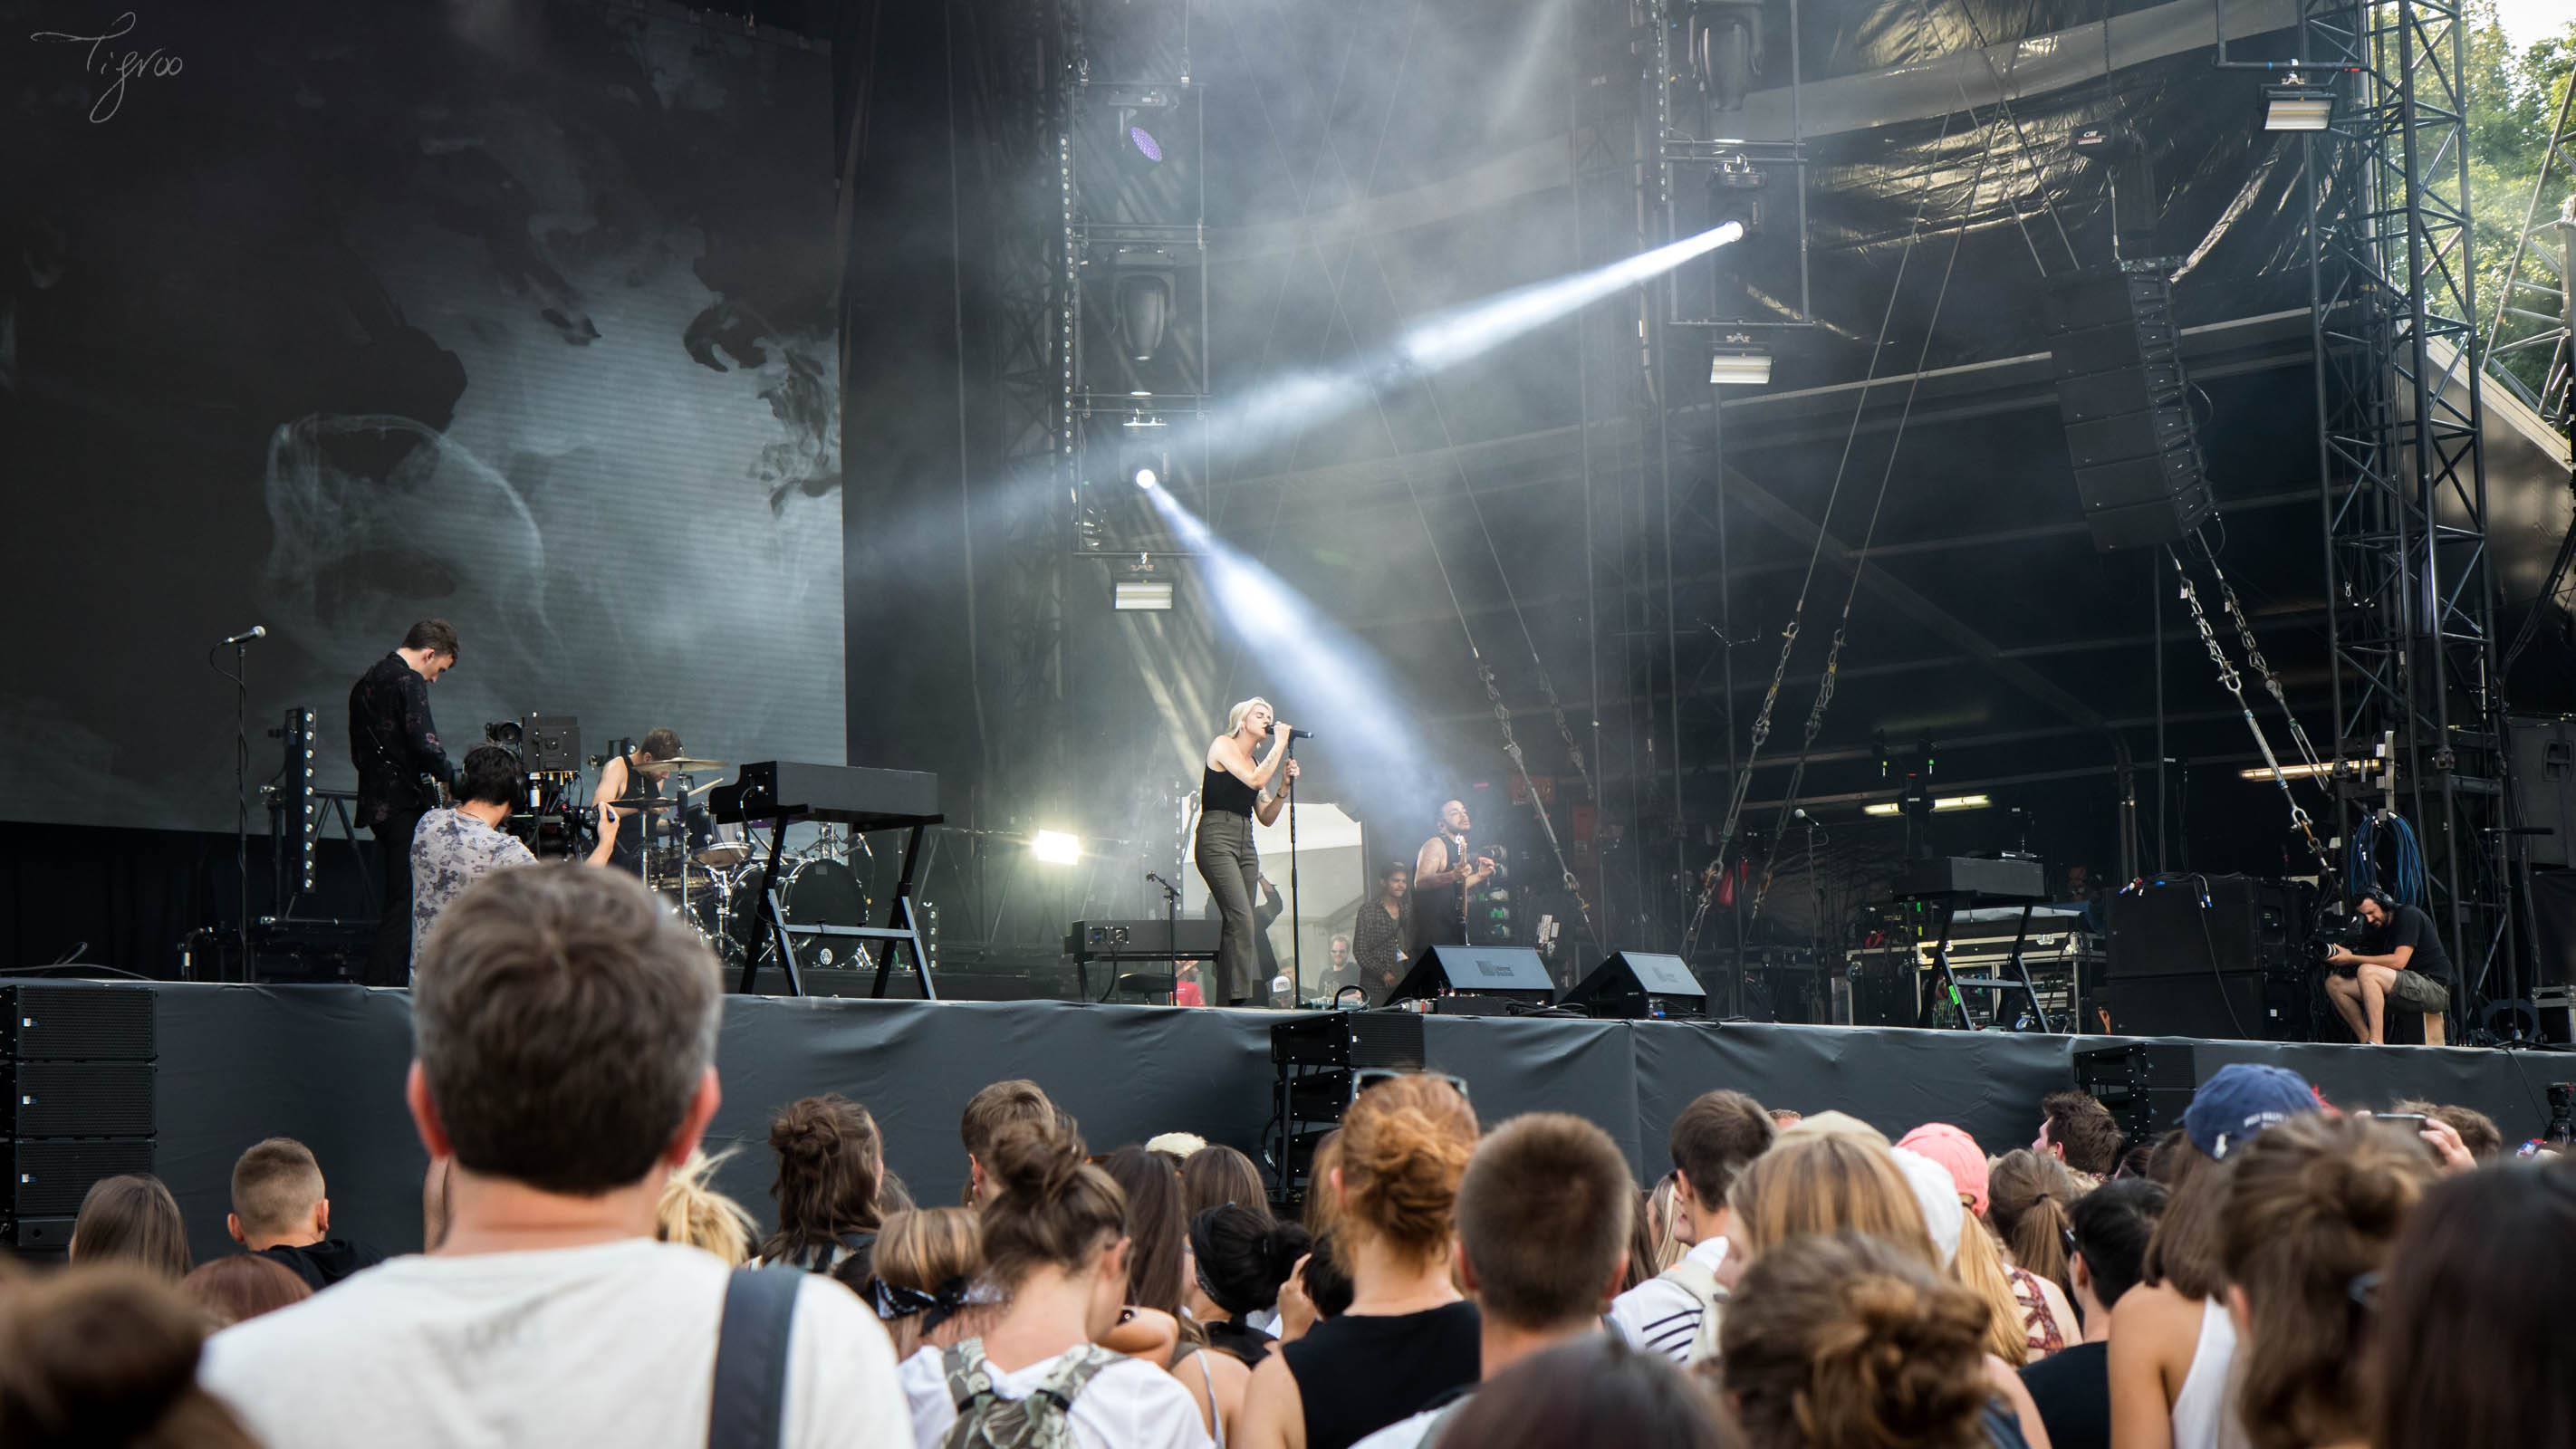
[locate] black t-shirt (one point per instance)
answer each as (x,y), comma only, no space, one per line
(2072,1388)
(1356,1375)
(2409,926)
(327,1262)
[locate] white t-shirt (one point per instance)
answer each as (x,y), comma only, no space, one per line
(1661,1315)
(1128,1405)
(1403,1433)
(612,1343)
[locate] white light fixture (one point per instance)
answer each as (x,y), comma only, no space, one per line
(1883,807)
(1737,362)
(1139,584)
(1961,802)
(1055,847)
(2293,772)
(2297,106)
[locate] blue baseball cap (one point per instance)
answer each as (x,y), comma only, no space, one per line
(2240,1100)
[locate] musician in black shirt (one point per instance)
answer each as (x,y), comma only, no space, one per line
(401,769)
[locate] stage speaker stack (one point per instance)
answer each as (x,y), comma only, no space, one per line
(1324,1060)
(2122,395)
(1477,981)
(79,1064)
(2145,1085)
(1639,986)
(2212,956)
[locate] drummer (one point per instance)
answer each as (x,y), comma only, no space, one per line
(632,777)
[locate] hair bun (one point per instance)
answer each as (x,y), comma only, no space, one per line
(1036,1162)
(2368,1190)
(1282,1246)
(1887,1371)
(94,1355)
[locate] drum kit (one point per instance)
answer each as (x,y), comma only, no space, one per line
(712,874)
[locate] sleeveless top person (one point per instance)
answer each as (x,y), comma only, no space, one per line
(1220,790)
(633,825)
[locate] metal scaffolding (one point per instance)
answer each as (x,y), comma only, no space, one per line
(2402,467)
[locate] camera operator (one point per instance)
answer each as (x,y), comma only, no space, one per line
(452,847)
(2400,959)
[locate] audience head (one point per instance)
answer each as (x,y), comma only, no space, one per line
(2029,1197)
(1001,1105)
(1711,1141)
(1158,1232)
(132,1219)
(923,1276)
(1595,1392)
(242,1286)
(2470,1325)
(106,1355)
(278,1196)
(1328,1278)
(1405,1144)
(1826,1185)
(2478,1131)
(1052,1212)
(2111,1225)
(565,1032)
(831,1167)
(2240,1100)
(2183,1251)
(1958,1154)
(2314,1207)
(1936,1193)
(1242,1257)
(1650,1231)
(691,1211)
(1175,1145)
(1543,1215)
(892,1196)
(1841,1341)
(2078,1131)
(1979,1268)
(1831,1124)
(1216,1175)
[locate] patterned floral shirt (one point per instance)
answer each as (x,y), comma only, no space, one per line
(448,851)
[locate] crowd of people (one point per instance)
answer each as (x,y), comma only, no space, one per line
(2275,1272)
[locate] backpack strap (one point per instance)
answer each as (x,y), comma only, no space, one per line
(1701,1284)
(1080,1366)
(969,1376)
(749,1407)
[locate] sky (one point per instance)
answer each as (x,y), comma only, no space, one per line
(2528,20)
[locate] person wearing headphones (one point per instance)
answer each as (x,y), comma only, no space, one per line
(2401,960)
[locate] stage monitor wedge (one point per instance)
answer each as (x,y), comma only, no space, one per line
(1639,985)
(1511,973)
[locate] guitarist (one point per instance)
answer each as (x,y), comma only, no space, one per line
(1443,874)
(401,772)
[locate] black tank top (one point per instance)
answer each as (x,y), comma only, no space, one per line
(1356,1375)
(628,854)
(1219,790)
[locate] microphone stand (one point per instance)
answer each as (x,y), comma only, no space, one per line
(1296,922)
(240,678)
(1171,927)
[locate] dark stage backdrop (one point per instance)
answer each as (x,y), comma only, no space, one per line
(332,317)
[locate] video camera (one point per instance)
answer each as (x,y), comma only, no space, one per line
(548,816)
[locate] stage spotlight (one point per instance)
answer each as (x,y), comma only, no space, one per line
(2297,106)
(1736,362)
(1725,42)
(1144,309)
(1146,477)
(1055,847)
(1735,193)
(1141,584)
(1146,145)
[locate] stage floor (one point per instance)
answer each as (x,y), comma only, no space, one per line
(325,1064)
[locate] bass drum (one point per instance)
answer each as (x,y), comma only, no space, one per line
(813,892)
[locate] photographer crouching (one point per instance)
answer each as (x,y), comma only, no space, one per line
(2400,958)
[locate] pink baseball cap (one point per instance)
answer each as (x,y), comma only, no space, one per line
(1958,1154)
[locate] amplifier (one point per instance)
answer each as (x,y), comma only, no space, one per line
(1158,939)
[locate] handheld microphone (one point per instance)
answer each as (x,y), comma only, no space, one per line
(1295,733)
(255,631)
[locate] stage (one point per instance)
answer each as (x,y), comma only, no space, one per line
(325,1064)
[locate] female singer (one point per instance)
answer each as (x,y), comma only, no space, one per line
(1232,793)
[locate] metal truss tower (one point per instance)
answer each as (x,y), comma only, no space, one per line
(2411,586)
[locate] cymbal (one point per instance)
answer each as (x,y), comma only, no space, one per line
(685,762)
(645,802)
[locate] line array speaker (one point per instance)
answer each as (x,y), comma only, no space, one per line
(2122,395)
(77,1062)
